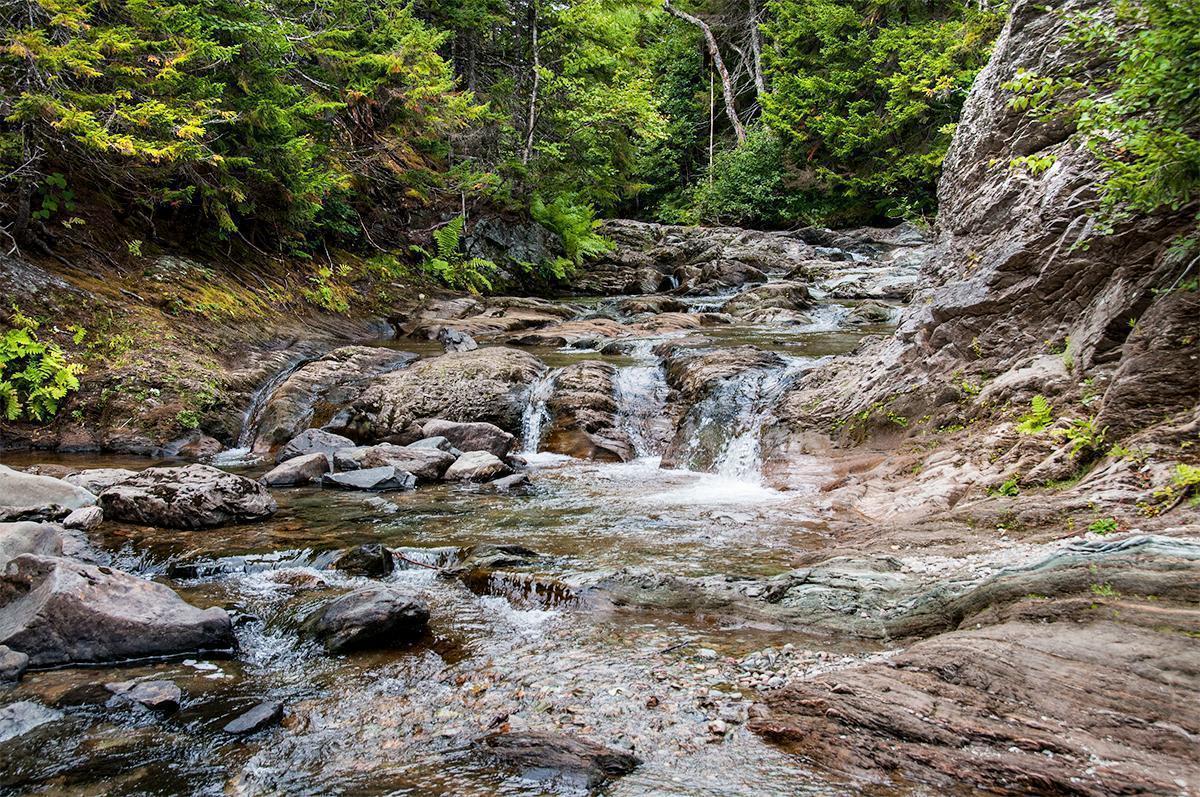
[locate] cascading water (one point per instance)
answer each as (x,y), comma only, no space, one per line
(537,412)
(641,394)
(242,453)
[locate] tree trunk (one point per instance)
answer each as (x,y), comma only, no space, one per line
(533,92)
(760,80)
(718,62)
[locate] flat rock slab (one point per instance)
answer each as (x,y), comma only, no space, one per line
(377,616)
(546,756)
(59,611)
(190,497)
(372,479)
(262,716)
(18,719)
(158,695)
(19,489)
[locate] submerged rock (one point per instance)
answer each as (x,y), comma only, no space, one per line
(387,477)
(30,490)
(159,695)
(18,719)
(548,755)
(58,611)
(190,497)
(377,616)
(372,560)
(262,716)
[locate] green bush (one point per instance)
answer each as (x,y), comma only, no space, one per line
(34,376)
(451,267)
(745,185)
(575,225)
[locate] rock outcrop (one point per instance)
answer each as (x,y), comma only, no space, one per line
(189,497)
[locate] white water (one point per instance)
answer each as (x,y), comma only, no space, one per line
(641,394)
(536,412)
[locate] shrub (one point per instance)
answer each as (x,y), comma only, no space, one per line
(451,267)
(35,376)
(1039,417)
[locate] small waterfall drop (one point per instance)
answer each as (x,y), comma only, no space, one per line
(641,394)
(242,453)
(537,412)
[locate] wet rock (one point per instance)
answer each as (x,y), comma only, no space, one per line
(492,556)
(189,497)
(472,436)
(546,755)
(870,312)
(456,340)
(571,333)
(19,489)
(318,389)
(428,464)
(304,469)
(387,477)
(59,611)
(42,539)
(262,716)
(313,441)
(159,695)
(199,447)
(517,481)
(752,304)
(371,561)
(97,480)
(377,616)
(84,519)
(489,384)
(476,466)
(18,719)
(12,664)
(583,415)
(642,305)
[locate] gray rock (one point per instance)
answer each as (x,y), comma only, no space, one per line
(19,489)
(472,436)
(262,716)
(456,340)
(313,441)
(546,755)
(377,616)
(97,480)
(427,464)
(42,539)
(387,477)
(58,611)
(476,466)
(371,560)
(304,469)
(84,519)
(18,719)
(509,483)
(12,664)
(439,442)
(190,497)
(159,695)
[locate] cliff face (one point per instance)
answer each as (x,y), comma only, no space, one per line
(1022,294)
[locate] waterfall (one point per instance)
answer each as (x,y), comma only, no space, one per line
(242,453)
(536,412)
(641,394)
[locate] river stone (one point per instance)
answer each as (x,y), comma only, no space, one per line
(312,441)
(42,539)
(387,477)
(377,616)
(456,340)
(84,519)
(12,664)
(870,312)
(472,436)
(59,611)
(304,469)
(18,719)
(264,715)
(427,464)
(97,480)
(543,755)
(438,442)
(772,296)
(476,466)
(372,560)
(160,695)
(19,489)
(510,483)
(189,497)
(642,305)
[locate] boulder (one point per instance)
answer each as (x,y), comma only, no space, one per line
(641,305)
(59,611)
(313,441)
(264,715)
(377,616)
(477,466)
(190,497)
(544,755)
(387,477)
(97,480)
(304,469)
(870,312)
(438,442)
(583,411)
(42,539)
(472,436)
(490,384)
(517,481)
(19,489)
(427,464)
(456,340)
(12,664)
(84,519)
(372,560)
(159,695)
(772,296)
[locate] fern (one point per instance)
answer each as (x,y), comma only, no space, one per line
(34,376)
(1038,418)
(449,237)
(450,266)
(575,225)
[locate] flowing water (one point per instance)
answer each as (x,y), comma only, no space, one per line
(533,648)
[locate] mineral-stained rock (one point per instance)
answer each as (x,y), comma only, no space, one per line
(472,436)
(19,489)
(189,497)
(546,755)
(583,414)
(59,611)
(386,477)
(97,480)
(304,469)
(160,695)
(377,616)
(371,560)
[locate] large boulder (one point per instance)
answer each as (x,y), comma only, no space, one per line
(583,412)
(304,469)
(313,441)
(190,497)
(43,539)
(472,436)
(476,466)
(383,478)
(59,611)
(377,616)
(97,480)
(427,464)
(19,489)
(490,384)
(317,390)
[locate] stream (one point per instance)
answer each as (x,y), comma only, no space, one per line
(533,649)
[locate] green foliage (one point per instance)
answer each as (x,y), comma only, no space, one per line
(1010,488)
(1086,440)
(1103,526)
(451,267)
(746,185)
(188,419)
(1039,417)
(325,292)
(575,225)
(35,376)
